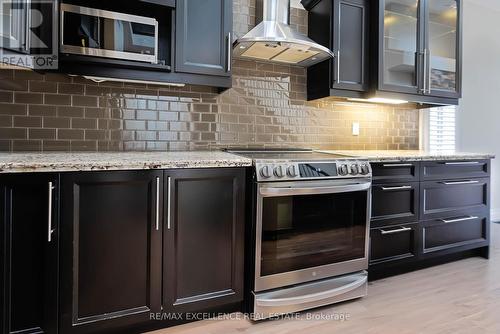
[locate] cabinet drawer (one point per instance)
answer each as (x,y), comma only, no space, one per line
(395,172)
(466,231)
(454,169)
(453,197)
(394,203)
(393,243)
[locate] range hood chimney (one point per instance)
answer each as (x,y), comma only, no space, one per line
(274,40)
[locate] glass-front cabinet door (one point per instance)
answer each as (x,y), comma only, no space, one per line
(400,45)
(442,48)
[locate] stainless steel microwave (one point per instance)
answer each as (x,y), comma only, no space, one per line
(102,33)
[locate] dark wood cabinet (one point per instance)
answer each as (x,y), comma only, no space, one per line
(394,243)
(203,37)
(29,235)
(453,197)
(454,169)
(419,50)
(385,172)
(342,26)
(203,239)
(394,203)
(111,249)
(455,233)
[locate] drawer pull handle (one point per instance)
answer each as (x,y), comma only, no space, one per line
(399,230)
(462,163)
(49,216)
(397,165)
(459,219)
(450,183)
(169,201)
(157,211)
(395,188)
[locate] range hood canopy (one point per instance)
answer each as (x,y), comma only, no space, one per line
(274,40)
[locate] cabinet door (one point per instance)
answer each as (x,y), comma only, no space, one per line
(15,26)
(111,242)
(443,47)
(400,45)
(28,220)
(394,203)
(203,239)
(350,44)
(203,37)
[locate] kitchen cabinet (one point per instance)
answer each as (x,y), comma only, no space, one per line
(29,233)
(203,239)
(419,48)
(15,26)
(394,244)
(342,26)
(440,208)
(203,37)
(111,249)
(395,203)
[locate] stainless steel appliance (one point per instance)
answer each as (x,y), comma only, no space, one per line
(312,214)
(274,40)
(102,33)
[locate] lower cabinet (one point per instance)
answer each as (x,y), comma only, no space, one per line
(203,239)
(29,253)
(138,243)
(111,250)
(455,233)
(394,243)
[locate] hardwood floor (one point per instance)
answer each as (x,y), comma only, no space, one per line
(458,297)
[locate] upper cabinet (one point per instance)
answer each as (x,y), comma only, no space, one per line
(414,49)
(203,37)
(419,47)
(341,25)
(165,42)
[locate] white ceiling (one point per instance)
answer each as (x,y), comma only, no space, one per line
(296,4)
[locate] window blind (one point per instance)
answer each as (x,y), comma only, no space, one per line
(442,128)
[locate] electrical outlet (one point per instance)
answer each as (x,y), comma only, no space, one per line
(355,129)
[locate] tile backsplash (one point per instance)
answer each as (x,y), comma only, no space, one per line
(266,107)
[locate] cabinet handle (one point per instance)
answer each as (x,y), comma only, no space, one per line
(337,76)
(424,88)
(157,203)
(27,47)
(49,216)
(168,201)
(396,188)
(458,219)
(229,52)
(397,165)
(450,183)
(462,163)
(399,230)
(429,73)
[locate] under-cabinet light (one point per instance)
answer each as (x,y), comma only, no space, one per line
(379,100)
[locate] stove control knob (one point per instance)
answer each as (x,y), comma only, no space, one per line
(343,170)
(279,171)
(365,169)
(354,169)
(292,171)
(265,172)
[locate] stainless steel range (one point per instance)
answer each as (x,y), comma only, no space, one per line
(311,223)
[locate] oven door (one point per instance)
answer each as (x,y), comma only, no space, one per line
(310,230)
(95,32)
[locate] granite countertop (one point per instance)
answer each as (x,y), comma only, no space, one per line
(62,161)
(410,155)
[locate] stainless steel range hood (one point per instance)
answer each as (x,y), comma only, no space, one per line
(274,40)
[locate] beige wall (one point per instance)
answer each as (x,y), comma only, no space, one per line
(478,118)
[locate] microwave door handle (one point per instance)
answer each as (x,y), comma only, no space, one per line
(291,191)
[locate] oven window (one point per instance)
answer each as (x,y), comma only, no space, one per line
(301,232)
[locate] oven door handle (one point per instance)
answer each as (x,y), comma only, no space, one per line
(297,190)
(312,296)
